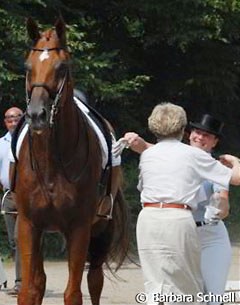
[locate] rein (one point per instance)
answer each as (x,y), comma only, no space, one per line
(76,152)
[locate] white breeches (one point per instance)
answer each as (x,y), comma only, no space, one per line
(215,257)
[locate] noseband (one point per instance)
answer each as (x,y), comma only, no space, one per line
(55,96)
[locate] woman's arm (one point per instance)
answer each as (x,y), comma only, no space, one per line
(223,204)
(136,143)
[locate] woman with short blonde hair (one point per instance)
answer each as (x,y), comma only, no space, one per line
(167,120)
(171,174)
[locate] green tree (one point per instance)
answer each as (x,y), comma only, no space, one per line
(130,55)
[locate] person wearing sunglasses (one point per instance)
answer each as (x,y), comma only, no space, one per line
(11,119)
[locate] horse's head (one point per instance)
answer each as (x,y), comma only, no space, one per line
(47,74)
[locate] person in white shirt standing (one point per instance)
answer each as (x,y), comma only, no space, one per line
(215,243)
(171,174)
(12,117)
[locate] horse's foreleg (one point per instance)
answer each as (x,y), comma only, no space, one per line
(33,277)
(78,242)
(39,276)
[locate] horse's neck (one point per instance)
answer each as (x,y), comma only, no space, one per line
(72,133)
(65,140)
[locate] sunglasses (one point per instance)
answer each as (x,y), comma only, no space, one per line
(12,118)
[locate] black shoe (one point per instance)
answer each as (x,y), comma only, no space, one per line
(4,285)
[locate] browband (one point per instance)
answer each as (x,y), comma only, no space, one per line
(49,49)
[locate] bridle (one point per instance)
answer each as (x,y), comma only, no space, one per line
(55,96)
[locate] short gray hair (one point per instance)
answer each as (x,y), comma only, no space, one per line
(167,121)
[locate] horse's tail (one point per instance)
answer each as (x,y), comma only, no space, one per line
(120,227)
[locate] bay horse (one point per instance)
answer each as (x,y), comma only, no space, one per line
(58,178)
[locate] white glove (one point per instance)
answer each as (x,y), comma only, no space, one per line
(211,215)
(118,147)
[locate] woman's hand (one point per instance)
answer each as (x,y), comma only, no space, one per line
(229,160)
(136,143)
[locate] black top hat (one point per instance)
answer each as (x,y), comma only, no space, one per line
(209,124)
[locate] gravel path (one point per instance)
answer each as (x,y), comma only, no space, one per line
(119,292)
(116,291)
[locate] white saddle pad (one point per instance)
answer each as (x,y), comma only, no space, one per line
(97,130)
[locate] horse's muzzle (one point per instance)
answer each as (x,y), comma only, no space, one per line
(37,120)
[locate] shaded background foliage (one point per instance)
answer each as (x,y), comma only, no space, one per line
(128,56)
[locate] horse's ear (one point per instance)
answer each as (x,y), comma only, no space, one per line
(61,30)
(32,28)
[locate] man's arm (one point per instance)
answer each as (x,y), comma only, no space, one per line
(11,173)
(1,187)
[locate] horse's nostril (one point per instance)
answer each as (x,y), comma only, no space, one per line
(28,117)
(37,117)
(43,115)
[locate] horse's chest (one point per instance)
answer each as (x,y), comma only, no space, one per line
(57,207)
(60,196)
(51,194)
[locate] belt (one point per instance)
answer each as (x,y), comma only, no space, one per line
(204,223)
(200,223)
(163,205)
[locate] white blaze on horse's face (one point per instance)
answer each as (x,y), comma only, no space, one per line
(44,55)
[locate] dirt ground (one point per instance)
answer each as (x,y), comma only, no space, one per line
(115,292)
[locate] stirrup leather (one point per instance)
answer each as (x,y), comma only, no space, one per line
(107,216)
